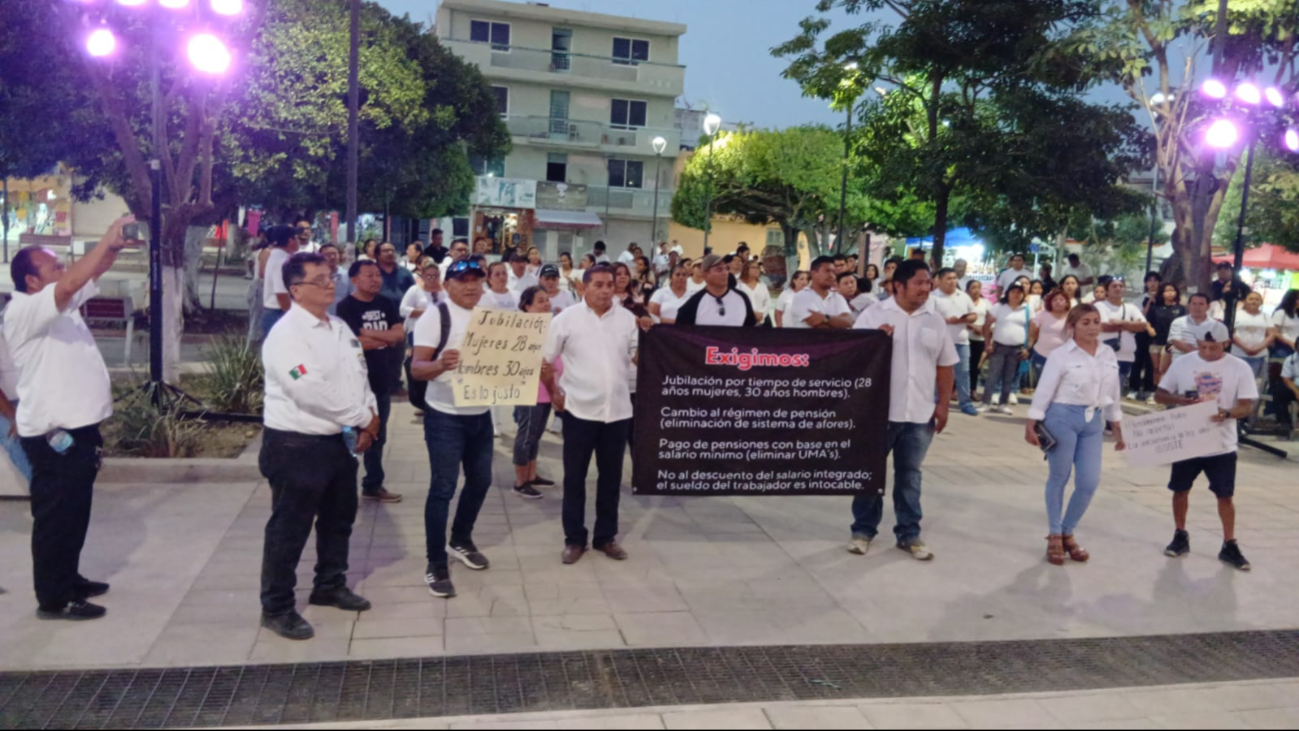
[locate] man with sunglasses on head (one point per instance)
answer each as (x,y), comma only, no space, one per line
(302,231)
(455,435)
(319,412)
(719,302)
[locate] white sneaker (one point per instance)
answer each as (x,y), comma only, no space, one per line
(859,546)
(1004,410)
(918,551)
(1014,399)
(996,399)
(983,408)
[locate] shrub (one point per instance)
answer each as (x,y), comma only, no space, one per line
(236,379)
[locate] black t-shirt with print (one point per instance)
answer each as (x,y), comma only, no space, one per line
(380,314)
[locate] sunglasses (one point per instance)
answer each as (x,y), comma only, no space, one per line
(466,265)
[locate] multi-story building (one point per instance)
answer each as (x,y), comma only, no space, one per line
(590,101)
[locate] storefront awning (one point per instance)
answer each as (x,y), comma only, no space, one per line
(549,218)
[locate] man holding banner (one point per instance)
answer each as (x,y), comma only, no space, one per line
(924,358)
(597,341)
(1211,374)
(454,435)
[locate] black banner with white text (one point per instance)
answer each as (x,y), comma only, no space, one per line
(757,411)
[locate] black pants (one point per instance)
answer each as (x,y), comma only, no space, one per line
(62,489)
(313,479)
(976,361)
(1142,379)
(1282,398)
(607,442)
(373,456)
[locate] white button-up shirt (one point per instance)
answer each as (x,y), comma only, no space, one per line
(597,352)
(1186,330)
(1074,377)
(316,378)
(957,304)
(921,344)
(807,303)
(1121,313)
(62,380)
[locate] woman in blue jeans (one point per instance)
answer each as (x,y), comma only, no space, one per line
(1079,392)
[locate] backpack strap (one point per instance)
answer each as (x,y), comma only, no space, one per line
(445,322)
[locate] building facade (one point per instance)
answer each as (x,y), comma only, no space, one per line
(585,96)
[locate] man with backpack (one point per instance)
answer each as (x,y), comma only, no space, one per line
(454,435)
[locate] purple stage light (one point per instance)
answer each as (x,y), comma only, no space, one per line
(1249,93)
(1292,139)
(1222,134)
(1214,89)
(1274,97)
(101,42)
(174,4)
(227,7)
(208,54)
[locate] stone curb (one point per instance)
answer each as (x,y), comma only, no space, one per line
(136,470)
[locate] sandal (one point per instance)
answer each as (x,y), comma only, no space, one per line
(1076,552)
(1055,550)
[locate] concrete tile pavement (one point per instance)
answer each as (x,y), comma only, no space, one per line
(185,559)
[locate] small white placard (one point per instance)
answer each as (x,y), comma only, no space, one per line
(1165,437)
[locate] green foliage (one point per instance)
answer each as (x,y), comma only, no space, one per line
(139,429)
(1273,213)
(237,382)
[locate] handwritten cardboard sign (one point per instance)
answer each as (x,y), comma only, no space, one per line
(1171,436)
(500,359)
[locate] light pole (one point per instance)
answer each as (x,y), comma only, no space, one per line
(660,145)
(847,147)
(353,123)
(712,123)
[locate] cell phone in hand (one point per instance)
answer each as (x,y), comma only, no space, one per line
(137,232)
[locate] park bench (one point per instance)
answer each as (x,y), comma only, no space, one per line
(115,312)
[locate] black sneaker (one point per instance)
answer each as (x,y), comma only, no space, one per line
(1181,545)
(87,589)
(344,599)
(542,482)
(439,583)
(290,626)
(1232,556)
(73,611)
(527,492)
(467,554)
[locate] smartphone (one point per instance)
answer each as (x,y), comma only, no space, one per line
(136,232)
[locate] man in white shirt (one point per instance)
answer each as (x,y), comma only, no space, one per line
(597,340)
(1120,323)
(63,395)
(1012,275)
(962,279)
(559,299)
(718,303)
(318,400)
(629,256)
(302,231)
(924,360)
(601,255)
(1211,374)
(820,305)
(1285,393)
(957,310)
(459,251)
(663,261)
(275,296)
(454,435)
(1080,270)
(520,277)
(1185,333)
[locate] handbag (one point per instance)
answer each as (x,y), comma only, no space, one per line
(1117,343)
(1046,441)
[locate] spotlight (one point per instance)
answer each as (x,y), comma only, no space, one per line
(1222,134)
(101,42)
(1214,89)
(208,54)
(1248,93)
(1292,139)
(1274,97)
(227,7)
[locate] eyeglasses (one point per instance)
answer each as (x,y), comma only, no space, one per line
(464,265)
(322,282)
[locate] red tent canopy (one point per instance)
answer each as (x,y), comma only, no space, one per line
(1267,256)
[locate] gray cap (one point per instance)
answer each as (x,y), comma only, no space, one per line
(713,260)
(1213,332)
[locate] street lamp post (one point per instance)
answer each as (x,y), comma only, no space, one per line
(660,144)
(712,123)
(847,148)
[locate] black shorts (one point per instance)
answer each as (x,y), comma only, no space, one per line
(1221,471)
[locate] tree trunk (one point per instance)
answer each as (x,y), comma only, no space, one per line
(941,204)
(173,322)
(194,238)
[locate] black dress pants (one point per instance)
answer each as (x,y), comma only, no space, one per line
(62,487)
(608,442)
(313,479)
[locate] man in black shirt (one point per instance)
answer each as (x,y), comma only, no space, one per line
(719,302)
(435,248)
(1228,285)
(377,323)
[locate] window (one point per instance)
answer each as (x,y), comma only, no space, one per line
(494,167)
(626,173)
(557,167)
(459,227)
(629,51)
(502,94)
(626,114)
(497,34)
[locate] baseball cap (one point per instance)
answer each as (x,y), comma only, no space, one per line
(713,260)
(549,270)
(1214,332)
(465,269)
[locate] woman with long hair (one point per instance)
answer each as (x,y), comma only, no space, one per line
(873,274)
(1167,310)
(645,279)
(751,285)
(1286,323)
(534,261)
(1037,295)
(1070,285)
(801,279)
(567,272)
(1079,393)
(532,420)
(974,288)
(1006,332)
(666,301)
(696,281)
(1047,331)
(627,291)
(368,250)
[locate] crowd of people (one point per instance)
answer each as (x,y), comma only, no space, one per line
(337,340)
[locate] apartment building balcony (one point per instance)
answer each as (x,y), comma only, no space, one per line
(544,66)
(579,133)
(625,202)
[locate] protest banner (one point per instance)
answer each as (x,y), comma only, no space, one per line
(500,359)
(1165,437)
(756,411)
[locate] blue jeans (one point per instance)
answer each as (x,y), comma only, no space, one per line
(909,443)
(1125,372)
(269,318)
(14,448)
(963,375)
(373,457)
(455,441)
(1078,453)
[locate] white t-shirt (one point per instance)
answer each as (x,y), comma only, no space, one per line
(1011,326)
(428,334)
(1252,330)
(8,369)
(783,303)
(1230,379)
(759,298)
(859,303)
(561,301)
(668,303)
(62,380)
(499,301)
(957,304)
(1289,325)
(808,302)
(1127,340)
(710,310)
(1009,277)
(273,284)
(417,299)
(1083,272)
(692,286)
(981,308)
(518,284)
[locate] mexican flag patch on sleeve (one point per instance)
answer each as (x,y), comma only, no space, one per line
(298,372)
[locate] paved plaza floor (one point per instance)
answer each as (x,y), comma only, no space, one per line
(184,562)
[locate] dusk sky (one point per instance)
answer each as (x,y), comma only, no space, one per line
(726,52)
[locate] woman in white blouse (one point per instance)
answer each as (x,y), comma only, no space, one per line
(1078,394)
(1006,333)
(426,293)
(974,288)
(498,295)
(668,300)
(786,298)
(751,285)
